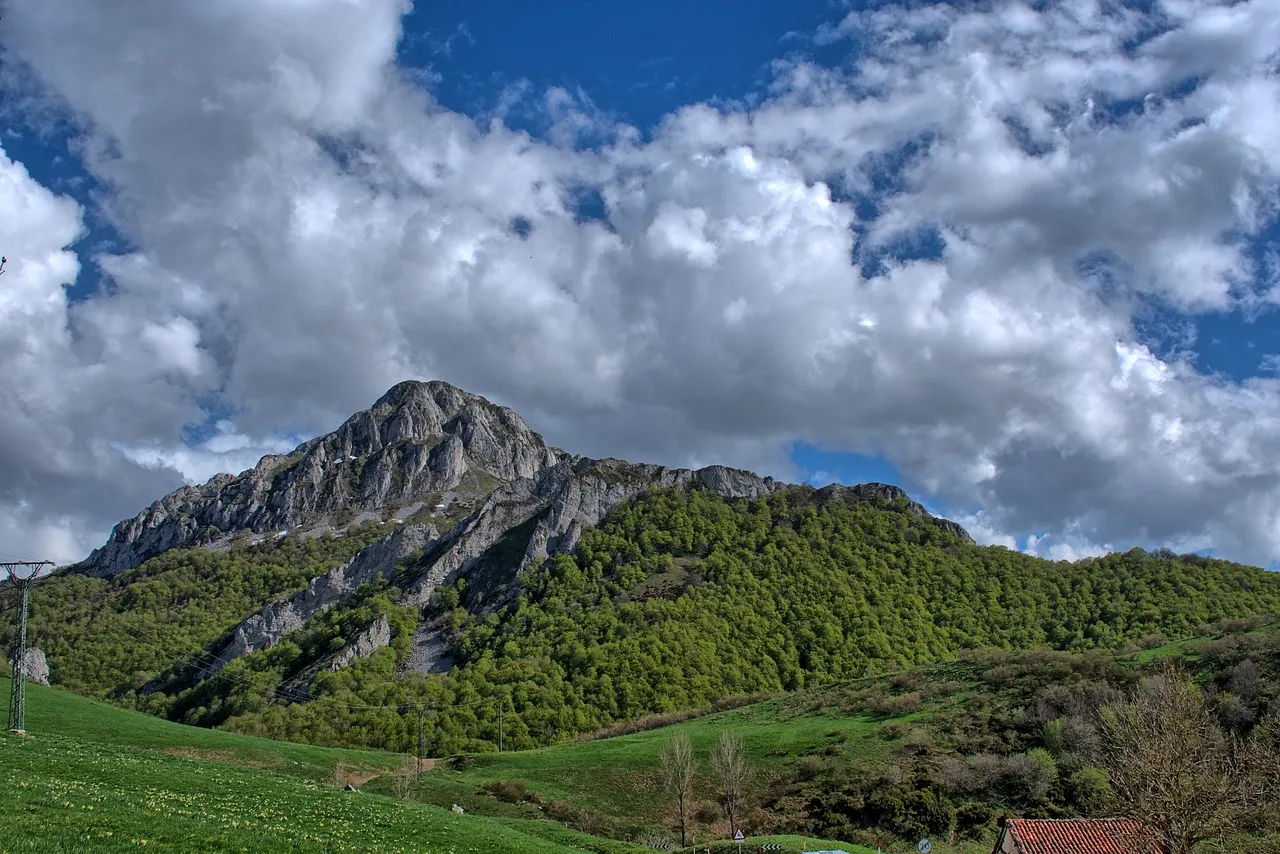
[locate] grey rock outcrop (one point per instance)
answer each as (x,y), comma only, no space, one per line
(36,668)
(364,644)
(417,439)
(264,629)
(560,503)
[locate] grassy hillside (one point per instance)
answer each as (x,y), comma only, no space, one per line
(90,777)
(929,751)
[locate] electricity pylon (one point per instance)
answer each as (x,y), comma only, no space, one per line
(21,574)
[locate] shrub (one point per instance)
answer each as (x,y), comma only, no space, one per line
(973,820)
(809,768)
(511,791)
(898,705)
(1151,641)
(1088,789)
(1032,774)
(893,730)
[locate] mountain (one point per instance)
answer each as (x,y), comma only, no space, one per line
(434,549)
(419,442)
(483,495)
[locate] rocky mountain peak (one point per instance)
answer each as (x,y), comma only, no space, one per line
(434,451)
(419,442)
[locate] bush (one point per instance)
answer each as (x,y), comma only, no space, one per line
(1151,641)
(893,730)
(1032,774)
(564,811)
(707,813)
(809,768)
(897,705)
(511,791)
(973,820)
(1088,789)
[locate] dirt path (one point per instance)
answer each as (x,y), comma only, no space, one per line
(360,778)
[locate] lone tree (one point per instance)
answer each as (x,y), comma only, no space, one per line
(1176,770)
(729,765)
(677,776)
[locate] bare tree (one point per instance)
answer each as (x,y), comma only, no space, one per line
(677,775)
(402,779)
(729,765)
(1173,768)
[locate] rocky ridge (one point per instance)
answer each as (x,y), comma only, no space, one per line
(416,440)
(36,666)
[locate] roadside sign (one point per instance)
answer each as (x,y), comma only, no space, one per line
(739,837)
(925,846)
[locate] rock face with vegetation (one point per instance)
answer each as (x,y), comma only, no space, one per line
(418,440)
(266,628)
(516,526)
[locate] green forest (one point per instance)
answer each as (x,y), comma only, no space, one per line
(684,598)
(676,601)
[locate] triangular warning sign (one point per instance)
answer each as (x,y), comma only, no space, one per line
(739,836)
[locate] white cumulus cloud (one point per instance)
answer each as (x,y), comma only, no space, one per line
(310,226)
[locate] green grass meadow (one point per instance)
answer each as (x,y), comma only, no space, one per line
(91,777)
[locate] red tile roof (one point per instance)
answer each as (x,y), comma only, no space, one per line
(1079,836)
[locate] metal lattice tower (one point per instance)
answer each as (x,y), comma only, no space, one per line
(21,575)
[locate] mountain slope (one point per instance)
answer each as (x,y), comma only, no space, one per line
(418,441)
(514,528)
(89,778)
(683,596)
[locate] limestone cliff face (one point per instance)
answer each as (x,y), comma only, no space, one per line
(365,644)
(264,629)
(416,440)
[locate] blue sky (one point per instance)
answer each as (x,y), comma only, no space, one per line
(636,61)
(1040,295)
(639,63)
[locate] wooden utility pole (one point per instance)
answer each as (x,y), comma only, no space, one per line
(422,711)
